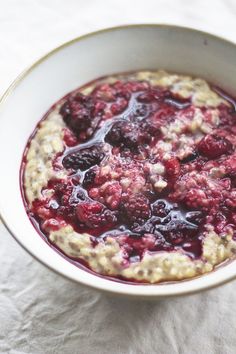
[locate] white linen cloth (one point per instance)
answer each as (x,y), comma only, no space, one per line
(41,312)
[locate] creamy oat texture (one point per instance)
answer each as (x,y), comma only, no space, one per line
(43,147)
(106,258)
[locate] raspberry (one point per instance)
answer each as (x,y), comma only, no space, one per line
(69,138)
(94,214)
(109,194)
(198,190)
(119,106)
(42,209)
(83,159)
(135,209)
(172,169)
(213,146)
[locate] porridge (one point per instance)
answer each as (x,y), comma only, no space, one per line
(134,176)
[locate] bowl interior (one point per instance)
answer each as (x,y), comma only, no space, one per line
(115,50)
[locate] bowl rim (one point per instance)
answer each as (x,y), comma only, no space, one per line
(21,77)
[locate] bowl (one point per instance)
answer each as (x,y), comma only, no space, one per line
(71,65)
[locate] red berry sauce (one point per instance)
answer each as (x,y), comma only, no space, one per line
(110,140)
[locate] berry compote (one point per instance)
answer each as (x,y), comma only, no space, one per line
(150,165)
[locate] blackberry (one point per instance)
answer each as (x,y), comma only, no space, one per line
(82,114)
(213,146)
(126,135)
(83,159)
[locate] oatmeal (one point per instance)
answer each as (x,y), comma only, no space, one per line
(134,176)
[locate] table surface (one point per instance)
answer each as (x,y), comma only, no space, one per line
(40,312)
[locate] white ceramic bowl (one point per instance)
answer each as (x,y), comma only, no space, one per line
(73,64)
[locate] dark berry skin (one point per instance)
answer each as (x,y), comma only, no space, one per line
(176,229)
(82,114)
(126,135)
(94,215)
(83,159)
(213,146)
(172,167)
(174,225)
(134,209)
(89,178)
